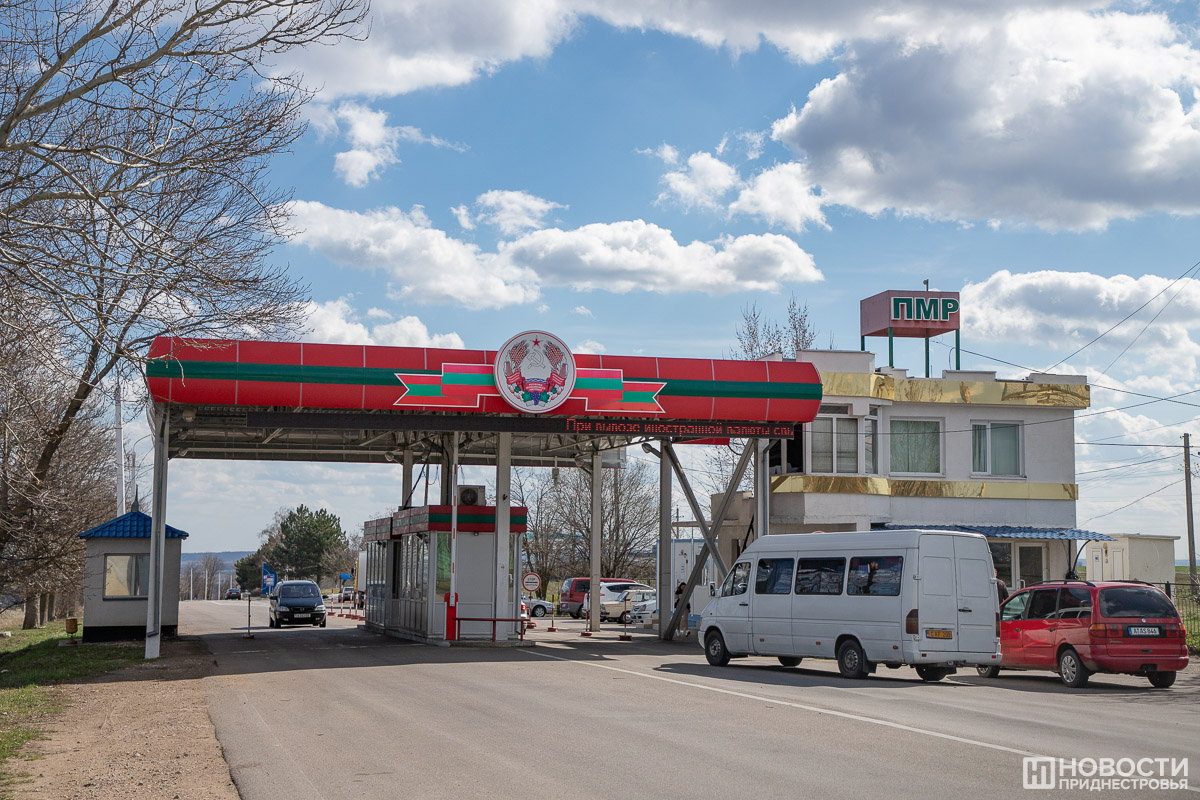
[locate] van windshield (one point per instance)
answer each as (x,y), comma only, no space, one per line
(299,590)
(1134,601)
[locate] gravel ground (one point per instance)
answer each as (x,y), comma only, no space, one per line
(140,733)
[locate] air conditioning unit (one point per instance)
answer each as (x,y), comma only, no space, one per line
(472,495)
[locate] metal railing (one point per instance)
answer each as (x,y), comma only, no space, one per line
(1187,599)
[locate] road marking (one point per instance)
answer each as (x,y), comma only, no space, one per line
(816,709)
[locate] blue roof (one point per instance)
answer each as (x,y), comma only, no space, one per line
(134,525)
(1018,532)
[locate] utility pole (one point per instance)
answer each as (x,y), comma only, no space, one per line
(120,442)
(1187,501)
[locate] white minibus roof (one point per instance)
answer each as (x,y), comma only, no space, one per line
(849,540)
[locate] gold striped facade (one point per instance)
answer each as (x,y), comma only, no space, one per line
(932,390)
(907,487)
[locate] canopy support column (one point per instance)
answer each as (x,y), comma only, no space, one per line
(710,533)
(503,592)
(597,528)
(158,532)
(665,538)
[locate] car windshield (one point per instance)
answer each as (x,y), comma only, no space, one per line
(1135,601)
(299,590)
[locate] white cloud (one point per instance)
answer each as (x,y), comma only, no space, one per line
(334,322)
(589,347)
(372,141)
(511,212)
(424,264)
(782,195)
(582,311)
(1070,309)
(636,255)
(664,152)
(419,44)
(463,215)
(702,184)
(1059,119)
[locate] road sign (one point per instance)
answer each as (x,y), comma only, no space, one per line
(268,579)
(531,582)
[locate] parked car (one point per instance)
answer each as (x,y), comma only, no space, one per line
(538,607)
(644,614)
(347,594)
(233,594)
(296,603)
(575,590)
(1078,628)
(620,606)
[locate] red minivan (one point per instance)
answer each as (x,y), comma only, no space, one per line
(1077,628)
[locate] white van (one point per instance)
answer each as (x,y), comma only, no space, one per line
(924,598)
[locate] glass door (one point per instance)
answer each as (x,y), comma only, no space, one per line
(1031,563)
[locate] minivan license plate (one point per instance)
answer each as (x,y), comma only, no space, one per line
(1146,630)
(300,616)
(939,633)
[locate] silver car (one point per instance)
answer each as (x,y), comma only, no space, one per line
(537,607)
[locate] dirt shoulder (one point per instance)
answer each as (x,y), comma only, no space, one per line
(139,733)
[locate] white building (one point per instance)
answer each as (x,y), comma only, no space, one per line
(964,451)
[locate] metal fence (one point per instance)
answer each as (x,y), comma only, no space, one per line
(1187,600)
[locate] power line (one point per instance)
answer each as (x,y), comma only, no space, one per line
(1127,505)
(1126,319)
(1123,466)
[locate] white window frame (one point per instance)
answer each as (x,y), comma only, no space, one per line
(941,444)
(988,423)
(858,445)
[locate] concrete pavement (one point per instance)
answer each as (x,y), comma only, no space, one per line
(340,713)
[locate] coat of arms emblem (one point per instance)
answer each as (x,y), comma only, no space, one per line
(535,371)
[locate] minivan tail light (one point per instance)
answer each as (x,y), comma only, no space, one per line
(911,622)
(1106,630)
(1173,630)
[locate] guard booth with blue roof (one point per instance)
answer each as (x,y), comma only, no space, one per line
(116,579)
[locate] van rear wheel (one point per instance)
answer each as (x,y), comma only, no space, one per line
(930,673)
(1161,680)
(789,661)
(852,662)
(988,672)
(1071,669)
(715,650)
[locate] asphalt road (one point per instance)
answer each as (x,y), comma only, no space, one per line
(337,713)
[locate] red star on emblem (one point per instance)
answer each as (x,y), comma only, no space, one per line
(536,342)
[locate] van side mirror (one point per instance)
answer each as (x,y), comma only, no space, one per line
(712,589)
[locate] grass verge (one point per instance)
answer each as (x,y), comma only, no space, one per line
(31,663)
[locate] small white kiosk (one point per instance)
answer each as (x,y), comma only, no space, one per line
(116,579)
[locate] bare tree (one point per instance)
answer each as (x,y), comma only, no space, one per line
(757,338)
(211,565)
(135,137)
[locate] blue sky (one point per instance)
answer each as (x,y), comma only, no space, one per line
(630,175)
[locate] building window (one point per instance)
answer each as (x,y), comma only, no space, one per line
(996,448)
(834,442)
(126,576)
(871,446)
(916,446)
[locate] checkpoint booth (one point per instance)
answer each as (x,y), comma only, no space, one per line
(528,403)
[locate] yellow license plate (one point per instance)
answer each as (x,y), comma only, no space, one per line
(939,633)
